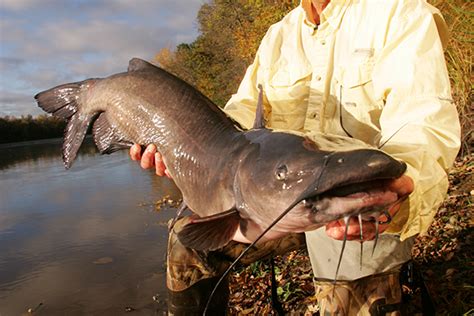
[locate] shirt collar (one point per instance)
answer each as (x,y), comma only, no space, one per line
(332,14)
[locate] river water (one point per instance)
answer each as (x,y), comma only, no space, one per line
(86,241)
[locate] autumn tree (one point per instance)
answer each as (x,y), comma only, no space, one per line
(230,32)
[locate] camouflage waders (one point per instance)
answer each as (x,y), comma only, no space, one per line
(191,275)
(374,295)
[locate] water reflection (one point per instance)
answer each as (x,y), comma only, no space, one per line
(83,241)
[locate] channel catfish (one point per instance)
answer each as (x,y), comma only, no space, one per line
(231,179)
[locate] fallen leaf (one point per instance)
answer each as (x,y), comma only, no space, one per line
(103,260)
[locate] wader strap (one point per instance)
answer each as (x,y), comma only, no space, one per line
(413,278)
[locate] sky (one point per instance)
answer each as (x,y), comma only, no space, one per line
(44,43)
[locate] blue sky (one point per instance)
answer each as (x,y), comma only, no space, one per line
(44,43)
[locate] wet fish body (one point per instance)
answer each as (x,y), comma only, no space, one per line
(229,177)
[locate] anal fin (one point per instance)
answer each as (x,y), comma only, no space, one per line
(211,232)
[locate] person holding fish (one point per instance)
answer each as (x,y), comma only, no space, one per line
(328,67)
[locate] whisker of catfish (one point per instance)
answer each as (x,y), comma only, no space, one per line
(346,222)
(376,235)
(179,212)
(361,241)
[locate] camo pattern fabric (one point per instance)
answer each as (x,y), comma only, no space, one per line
(373,295)
(186,266)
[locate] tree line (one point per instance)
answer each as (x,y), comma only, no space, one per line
(17,129)
(229,34)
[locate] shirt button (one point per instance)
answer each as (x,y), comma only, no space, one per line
(323,42)
(318,78)
(313,115)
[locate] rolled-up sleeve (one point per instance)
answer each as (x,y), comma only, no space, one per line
(419,122)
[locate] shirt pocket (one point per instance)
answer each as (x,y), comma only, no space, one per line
(358,110)
(287,91)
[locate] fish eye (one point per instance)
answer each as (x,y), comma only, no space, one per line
(281,172)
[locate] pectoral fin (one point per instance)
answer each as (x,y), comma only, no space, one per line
(211,232)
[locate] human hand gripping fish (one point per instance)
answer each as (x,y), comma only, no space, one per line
(150,158)
(403,186)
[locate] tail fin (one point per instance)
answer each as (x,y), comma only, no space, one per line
(63,102)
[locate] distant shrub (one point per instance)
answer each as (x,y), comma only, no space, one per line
(13,129)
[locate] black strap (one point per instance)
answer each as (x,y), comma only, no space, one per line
(412,277)
(426,300)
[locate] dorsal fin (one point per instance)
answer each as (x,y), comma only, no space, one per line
(259,114)
(136,64)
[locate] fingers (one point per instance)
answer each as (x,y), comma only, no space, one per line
(148,157)
(136,152)
(336,229)
(160,168)
(403,186)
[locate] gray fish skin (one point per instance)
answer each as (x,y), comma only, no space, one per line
(229,177)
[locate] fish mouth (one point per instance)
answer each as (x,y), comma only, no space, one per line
(353,185)
(354,188)
(368,198)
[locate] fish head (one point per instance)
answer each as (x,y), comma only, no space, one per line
(317,183)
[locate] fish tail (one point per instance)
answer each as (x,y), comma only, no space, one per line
(64,101)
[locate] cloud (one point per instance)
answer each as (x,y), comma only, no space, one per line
(9,63)
(10,97)
(19,5)
(17,104)
(45,43)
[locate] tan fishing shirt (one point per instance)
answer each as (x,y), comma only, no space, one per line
(373,70)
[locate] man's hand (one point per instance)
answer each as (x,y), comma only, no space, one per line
(149,159)
(403,186)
